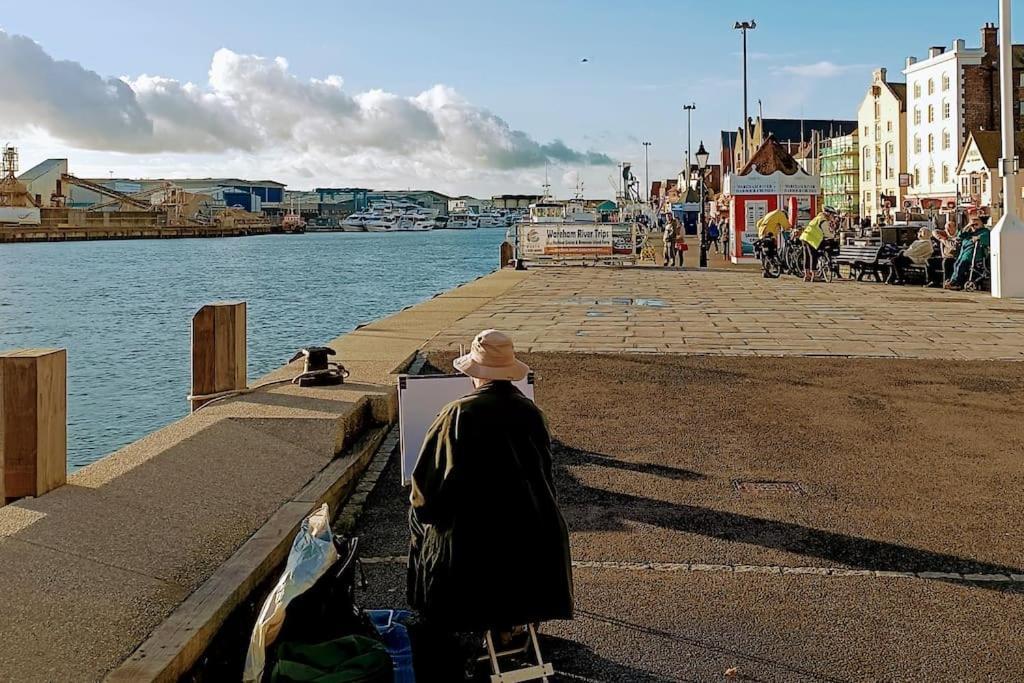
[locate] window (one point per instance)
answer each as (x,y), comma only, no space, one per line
(931,142)
(878,109)
(1020,105)
(931,175)
(945,82)
(945,173)
(917,90)
(945,109)
(917,176)
(888,126)
(931,113)
(917,144)
(865,131)
(890,160)
(878,131)
(931,86)
(917,116)
(867,163)
(945,139)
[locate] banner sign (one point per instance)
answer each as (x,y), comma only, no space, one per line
(565,240)
(776,183)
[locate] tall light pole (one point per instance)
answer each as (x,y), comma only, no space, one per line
(688,108)
(647,172)
(745,26)
(1007,245)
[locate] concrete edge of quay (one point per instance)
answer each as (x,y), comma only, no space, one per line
(163,539)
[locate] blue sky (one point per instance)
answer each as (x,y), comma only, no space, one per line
(518,61)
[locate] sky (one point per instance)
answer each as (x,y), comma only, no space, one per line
(463,97)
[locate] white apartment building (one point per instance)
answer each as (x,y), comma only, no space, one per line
(935,123)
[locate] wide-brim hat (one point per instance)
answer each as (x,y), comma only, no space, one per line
(492,356)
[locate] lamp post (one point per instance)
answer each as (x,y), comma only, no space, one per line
(688,108)
(1007,240)
(745,26)
(647,172)
(702,164)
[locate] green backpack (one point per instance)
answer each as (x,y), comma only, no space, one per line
(350,659)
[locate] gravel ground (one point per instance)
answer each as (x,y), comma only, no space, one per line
(905,466)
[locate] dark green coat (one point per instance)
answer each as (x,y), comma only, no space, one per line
(489,545)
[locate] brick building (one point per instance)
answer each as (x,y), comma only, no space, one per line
(950,94)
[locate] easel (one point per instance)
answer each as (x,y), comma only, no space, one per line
(541,670)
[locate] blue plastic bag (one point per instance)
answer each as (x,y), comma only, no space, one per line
(395,637)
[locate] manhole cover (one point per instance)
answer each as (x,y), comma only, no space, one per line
(753,486)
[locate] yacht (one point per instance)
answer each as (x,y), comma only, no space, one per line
(492,219)
(463,221)
(356,222)
(383,223)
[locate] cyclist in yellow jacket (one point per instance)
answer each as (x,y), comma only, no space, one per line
(812,236)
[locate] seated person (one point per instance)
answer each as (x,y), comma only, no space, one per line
(489,546)
(917,254)
(975,238)
(940,266)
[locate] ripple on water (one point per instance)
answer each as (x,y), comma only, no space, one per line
(122,308)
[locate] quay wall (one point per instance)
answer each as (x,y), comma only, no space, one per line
(129,570)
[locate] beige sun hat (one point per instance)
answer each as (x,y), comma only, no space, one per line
(492,356)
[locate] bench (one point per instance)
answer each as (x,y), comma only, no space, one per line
(861,261)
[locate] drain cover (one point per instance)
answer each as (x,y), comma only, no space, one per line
(753,486)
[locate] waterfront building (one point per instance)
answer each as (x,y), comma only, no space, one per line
(468,204)
(840,173)
(951,93)
(979,185)
(514,201)
(882,126)
(428,199)
(42,181)
(790,134)
(251,195)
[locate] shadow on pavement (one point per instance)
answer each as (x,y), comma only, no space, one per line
(861,553)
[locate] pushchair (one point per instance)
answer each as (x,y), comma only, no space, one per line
(979,277)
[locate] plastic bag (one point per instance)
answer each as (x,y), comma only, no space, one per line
(312,553)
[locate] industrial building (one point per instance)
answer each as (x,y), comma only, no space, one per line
(514,201)
(428,199)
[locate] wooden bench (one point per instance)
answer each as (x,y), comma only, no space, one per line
(861,261)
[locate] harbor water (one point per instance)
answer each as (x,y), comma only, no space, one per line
(122,309)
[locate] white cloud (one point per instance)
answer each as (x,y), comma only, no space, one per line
(254,107)
(822,69)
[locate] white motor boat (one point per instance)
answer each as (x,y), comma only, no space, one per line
(356,222)
(463,221)
(492,220)
(383,224)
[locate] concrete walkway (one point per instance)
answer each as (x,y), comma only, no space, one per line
(91,569)
(738,313)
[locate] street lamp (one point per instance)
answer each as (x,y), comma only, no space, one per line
(647,172)
(745,26)
(688,108)
(702,164)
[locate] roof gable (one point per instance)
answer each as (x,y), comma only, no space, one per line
(771,157)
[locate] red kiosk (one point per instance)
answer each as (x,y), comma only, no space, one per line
(771,180)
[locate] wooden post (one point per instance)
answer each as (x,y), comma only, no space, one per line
(506,255)
(33,422)
(218,349)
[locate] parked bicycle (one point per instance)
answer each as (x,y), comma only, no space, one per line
(768,255)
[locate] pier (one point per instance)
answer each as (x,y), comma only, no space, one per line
(713,526)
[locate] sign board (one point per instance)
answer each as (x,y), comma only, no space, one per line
(905,179)
(17,215)
(755,211)
(565,240)
(420,399)
(776,183)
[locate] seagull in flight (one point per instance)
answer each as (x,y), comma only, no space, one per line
(584,60)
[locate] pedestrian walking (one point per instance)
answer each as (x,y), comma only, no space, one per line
(681,245)
(669,237)
(726,229)
(713,236)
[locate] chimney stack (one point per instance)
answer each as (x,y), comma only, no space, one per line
(911,61)
(935,51)
(990,40)
(879,75)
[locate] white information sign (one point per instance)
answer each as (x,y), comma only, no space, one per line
(420,399)
(756,210)
(536,240)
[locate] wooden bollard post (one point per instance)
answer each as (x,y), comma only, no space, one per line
(506,255)
(218,350)
(33,422)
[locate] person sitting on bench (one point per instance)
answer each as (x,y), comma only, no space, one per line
(917,254)
(489,547)
(940,266)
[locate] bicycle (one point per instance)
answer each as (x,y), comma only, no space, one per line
(828,268)
(768,255)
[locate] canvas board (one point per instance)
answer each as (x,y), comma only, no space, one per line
(420,399)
